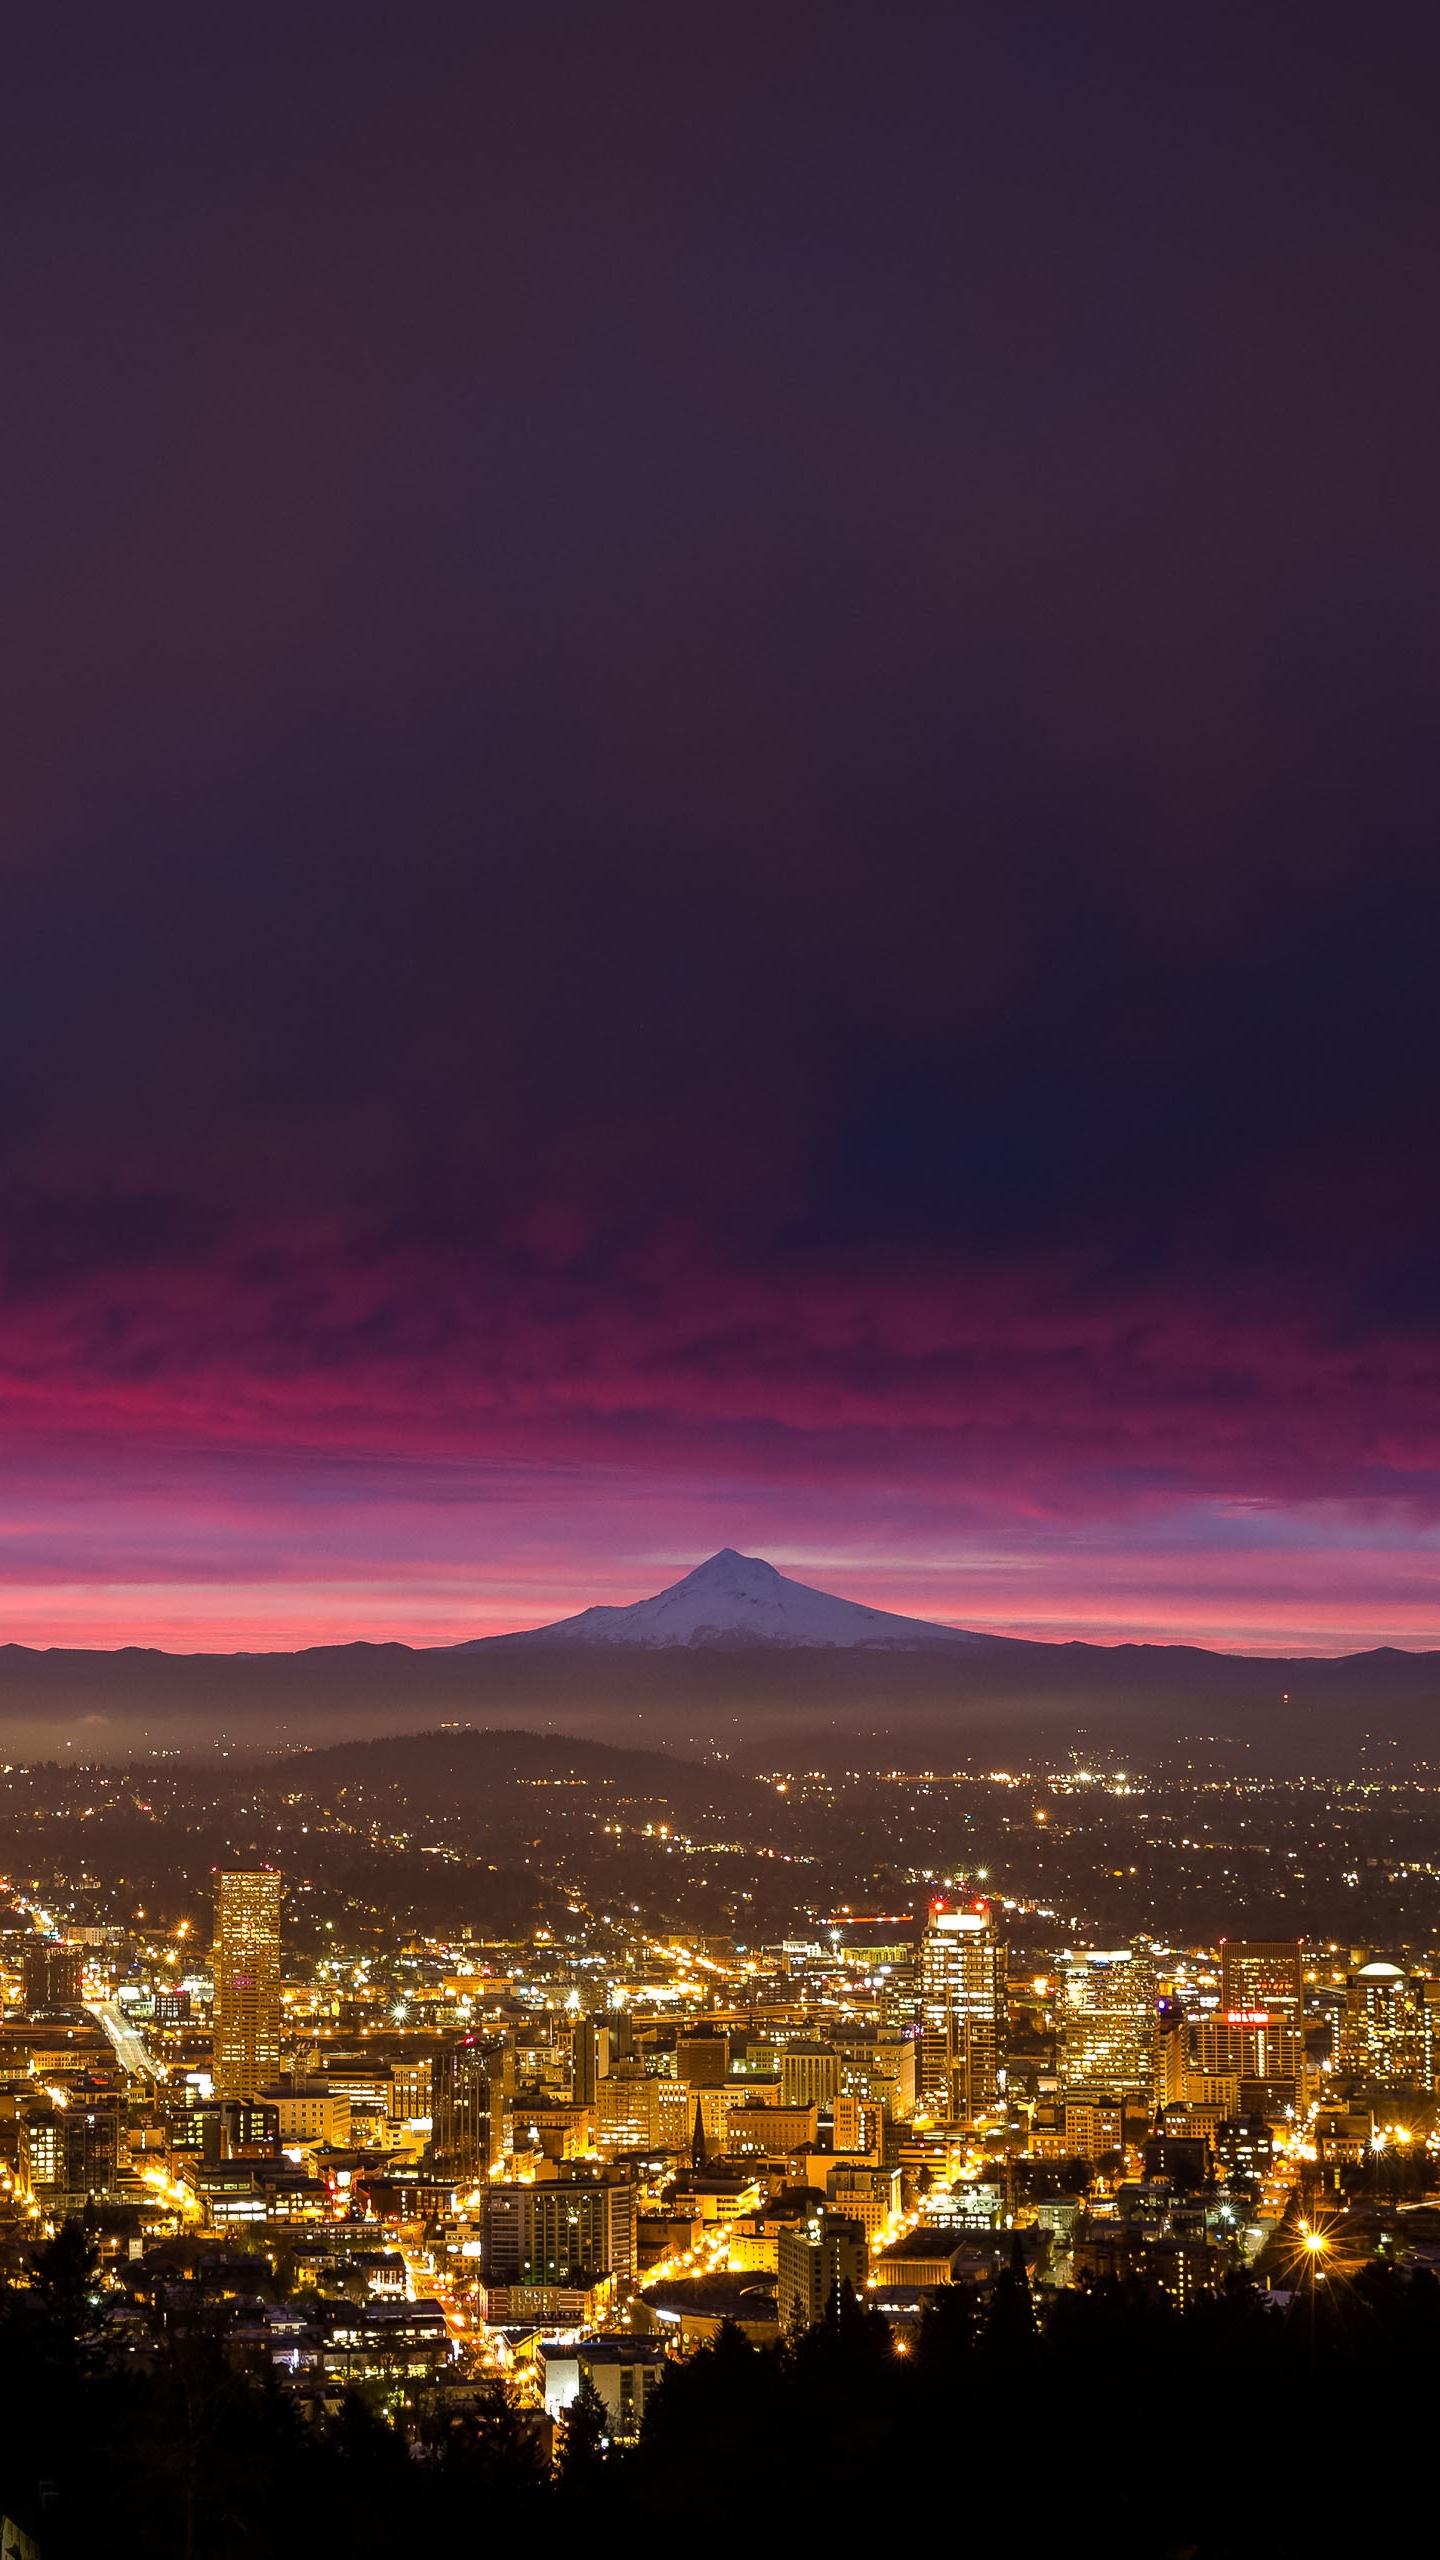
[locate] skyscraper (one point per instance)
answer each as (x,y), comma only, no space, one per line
(52,1976)
(1381,2028)
(962,2011)
(247,1983)
(590,2045)
(1262,1973)
(465,2110)
(1107,2021)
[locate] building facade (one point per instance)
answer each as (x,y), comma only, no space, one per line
(814,2259)
(247,1983)
(963,1981)
(1107,2021)
(559,2229)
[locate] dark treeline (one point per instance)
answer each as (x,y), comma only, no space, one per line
(1114,2426)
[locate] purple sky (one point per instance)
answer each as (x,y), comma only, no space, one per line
(719,801)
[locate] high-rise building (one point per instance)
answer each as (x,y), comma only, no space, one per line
(590,2046)
(963,1966)
(703,2059)
(1107,2021)
(545,2232)
(1172,2052)
(1262,1973)
(1381,2030)
(626,2109)
(247,1983)
(72,2150)
(466,2116)
(815,2258)
(52,1976)
(1426,1993)
(1264,2043)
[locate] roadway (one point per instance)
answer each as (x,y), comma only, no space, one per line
(130,2047)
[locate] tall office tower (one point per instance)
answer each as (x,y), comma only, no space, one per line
(1107,2021)
(466,2118)
(1259,1973)
(247,1983)
(1382,2028)
(1172,2052)
(590,2046)
(52,1976)
(1426,1993)
(963,1971)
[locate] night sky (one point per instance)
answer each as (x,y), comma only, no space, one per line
(720,792)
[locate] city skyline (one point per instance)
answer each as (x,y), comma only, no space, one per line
(719,1278)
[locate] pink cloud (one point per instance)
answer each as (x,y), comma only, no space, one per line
(407,1448)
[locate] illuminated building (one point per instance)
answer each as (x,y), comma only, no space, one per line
(1427,2020)
(855,2126)
(70,2152)
(590,2047)
(702,2061)
(1172,2052)
(962,2012)
(623,2369)
(42,2149)
(1381,2025)
(310,2111)
(627,2115)
(1094,2126)
(227,2128)
(1244,2145)
(1343,2134)
(246,1963)
(771,2132)
(1263,2043)
(545,2232)
(809,2075)
(1107,2021)
(814,2259)
(1262,1973)
(466,2120)
(51,1975)
(411,2093)
(868,2194)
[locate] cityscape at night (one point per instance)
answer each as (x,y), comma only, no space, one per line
(719,1279)
(486,2079)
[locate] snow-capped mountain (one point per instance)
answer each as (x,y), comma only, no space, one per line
(733,1600)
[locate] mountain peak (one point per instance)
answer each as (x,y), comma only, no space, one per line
(732,1601)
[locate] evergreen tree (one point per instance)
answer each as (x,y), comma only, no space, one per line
(583,2442)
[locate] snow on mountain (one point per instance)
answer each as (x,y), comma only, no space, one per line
(733,1600)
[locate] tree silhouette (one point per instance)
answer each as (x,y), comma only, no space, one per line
(583,2442)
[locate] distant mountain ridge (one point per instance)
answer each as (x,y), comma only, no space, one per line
(732,1601)
(731,1657)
